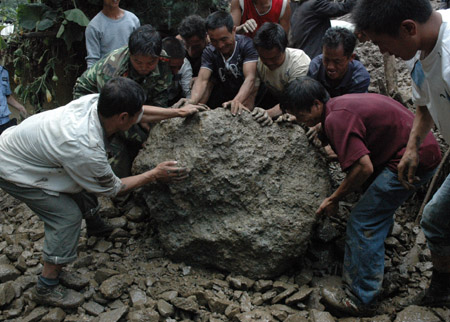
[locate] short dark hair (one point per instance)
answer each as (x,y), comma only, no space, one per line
(386,16)
(173,47)
(334,37)
(146,41)
(300,94)
(219,19)
(120,95)
(191,26)
(271,35)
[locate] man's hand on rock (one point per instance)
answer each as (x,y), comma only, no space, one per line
(168,172)
(190,109)
(328,207)
(235,106)
(286,117)
(312,135)
(261,116)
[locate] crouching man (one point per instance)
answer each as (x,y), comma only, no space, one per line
(369,133)
(56,161)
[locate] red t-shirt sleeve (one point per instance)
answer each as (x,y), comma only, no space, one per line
(345,132)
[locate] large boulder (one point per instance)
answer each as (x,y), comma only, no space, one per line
(248,206)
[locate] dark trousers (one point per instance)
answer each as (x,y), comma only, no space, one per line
(11,122)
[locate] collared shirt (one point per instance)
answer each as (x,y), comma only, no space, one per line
(60,151)
(5,91)
(117,63)
(355,80)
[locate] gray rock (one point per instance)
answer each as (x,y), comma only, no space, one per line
(113,287)
(240,282)
(318,316)
(164,308)
(147,315)
(118,222)
(263,285)
(107,208)
(186,304)
(218,305)
(300,296)
(54,315)
(114,315)
(83,261)
(283,295)
(135,214)
(13,252)
(169,295)
(138,297)
(7,293)
(249,204)
(103,274)
(416,314)
(255,315)
(93,308)
(103,246)
(8,273)
(304,277)
(297,317)
(36,315)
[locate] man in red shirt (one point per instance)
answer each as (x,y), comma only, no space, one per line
(249,15)
(369,133)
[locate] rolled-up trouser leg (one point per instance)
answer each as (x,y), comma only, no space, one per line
(61,216)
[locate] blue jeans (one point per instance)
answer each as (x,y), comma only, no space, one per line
(367,228)
(436,220)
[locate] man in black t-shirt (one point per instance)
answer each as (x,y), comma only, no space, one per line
(228,70)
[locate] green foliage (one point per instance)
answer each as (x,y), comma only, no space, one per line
(70,29)
(36,16)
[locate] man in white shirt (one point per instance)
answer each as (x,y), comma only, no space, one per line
(412,30)
(56,161)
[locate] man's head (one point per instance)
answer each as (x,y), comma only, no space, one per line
(392,24)
(271,41)
(174,48)
(221,32)
(192,30)
(120,103)
(338,45)
(305,98)
(145,48)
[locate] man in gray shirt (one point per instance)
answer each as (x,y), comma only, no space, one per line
(108,30)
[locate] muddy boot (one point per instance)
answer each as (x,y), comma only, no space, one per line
(56,295)
(338,302)
(438,293)
(97,226)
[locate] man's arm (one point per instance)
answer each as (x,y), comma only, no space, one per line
(423,123)
(92,46)
(333,9)
(154,114)
(359,172)
(245,92)
(200,85)
(164,172)
(236,12)
(285,20)
(14,103)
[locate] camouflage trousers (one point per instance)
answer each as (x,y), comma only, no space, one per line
(123,148)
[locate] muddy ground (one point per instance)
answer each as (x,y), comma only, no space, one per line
(127,277)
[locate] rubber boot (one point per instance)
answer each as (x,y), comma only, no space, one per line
(438,293)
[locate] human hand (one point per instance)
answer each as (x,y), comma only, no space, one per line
(167,172)
(408,166)
(261,116)
(190,109)
(286,117)
(235,106)
(23,112)
(312,135)
(328,207)
(248,26)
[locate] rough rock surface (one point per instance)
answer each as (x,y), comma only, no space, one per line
(249,204)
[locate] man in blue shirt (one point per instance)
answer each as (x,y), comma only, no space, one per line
(336,69)
(5,99)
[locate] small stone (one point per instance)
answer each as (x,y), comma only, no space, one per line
(138,297)
(246,303)
(13,252)
(103,274)
(164,308)
(169,295)
(107,208)
(186,304)
(103,246)
(54,315)
(135,214)
(231,311)
(118,222)
(300,296)
(36,315)
(73,280)
(8,273)
(84,261)
(269,295)
(240,282)
(416,313)
(114,315)
(147,315)
(316,315)
(218,305)
(7,293)
(305,277)
(93,308)
(256,315)
(113,287)
(263,285)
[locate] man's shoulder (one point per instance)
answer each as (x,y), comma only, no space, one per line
(358,70)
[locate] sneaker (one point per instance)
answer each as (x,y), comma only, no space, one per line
(339,303)
(57,296)
(97,227)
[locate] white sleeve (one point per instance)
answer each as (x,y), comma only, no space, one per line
(186,77)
